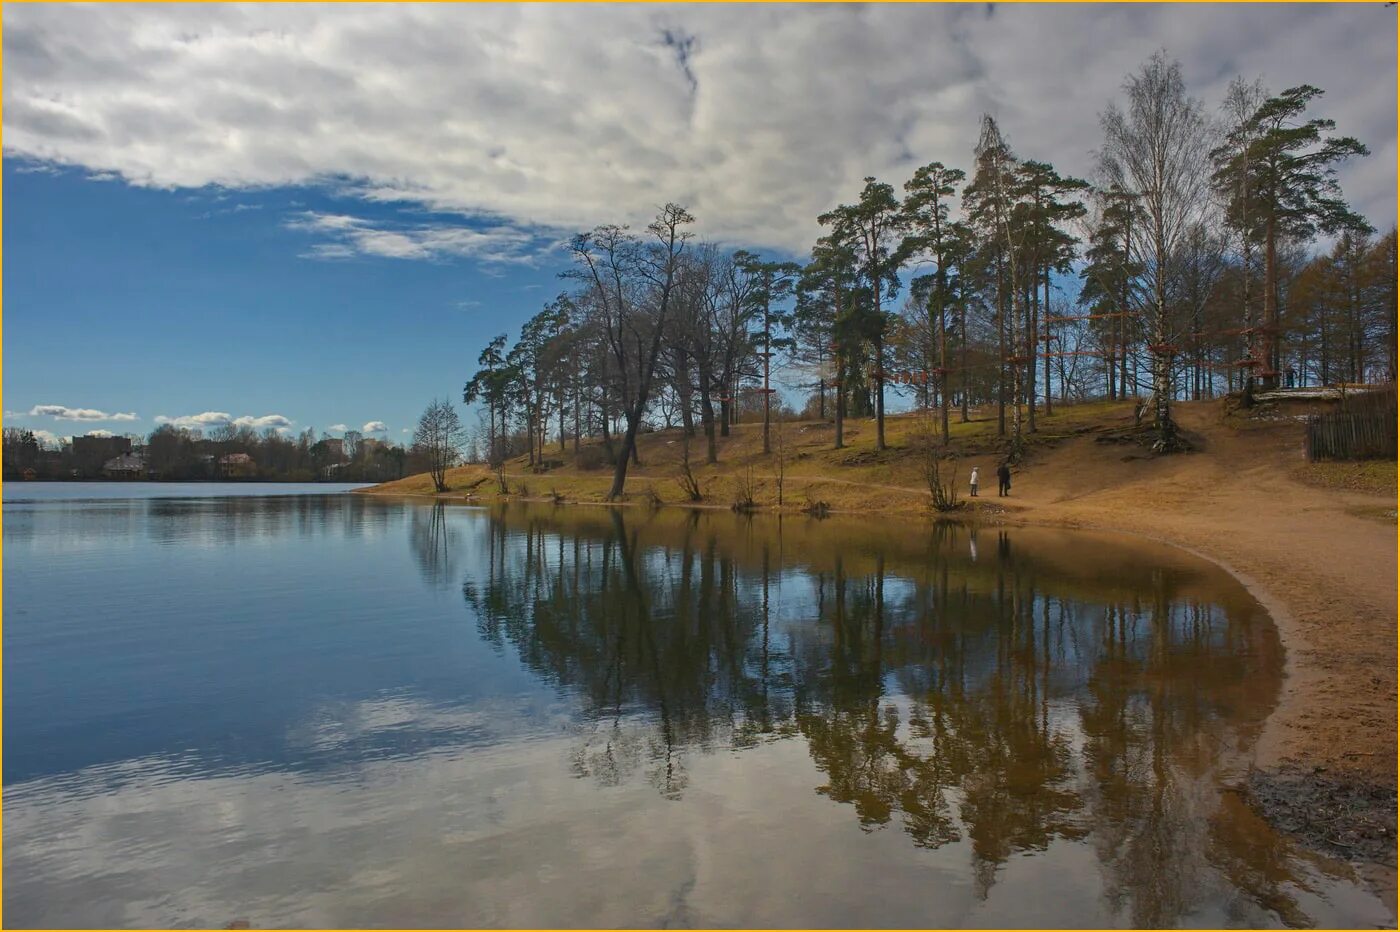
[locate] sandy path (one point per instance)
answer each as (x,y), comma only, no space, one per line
(1327,576)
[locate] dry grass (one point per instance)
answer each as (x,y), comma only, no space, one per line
(1373,477)
(857,478)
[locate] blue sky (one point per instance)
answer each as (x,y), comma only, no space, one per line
(173,303)
(314,216)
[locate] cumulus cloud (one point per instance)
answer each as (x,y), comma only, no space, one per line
(207,419)
(48,439)
(758,118)
(65,413)
(339,427)
(374,427)
(211,419)
(99,433)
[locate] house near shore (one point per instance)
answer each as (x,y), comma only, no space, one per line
(237,466)
(128,466)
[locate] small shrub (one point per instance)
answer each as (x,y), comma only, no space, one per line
(814,506)
(746,497)
(686,480)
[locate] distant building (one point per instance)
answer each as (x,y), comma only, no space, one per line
(335,447)
(91,452)
(369,446)
(126,466)
(237,466)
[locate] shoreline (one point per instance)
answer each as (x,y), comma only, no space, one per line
(1321,562)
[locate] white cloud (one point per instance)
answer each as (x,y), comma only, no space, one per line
(354,236)
(266,420)
(65,413)
(339,427)
(558,117)
(49,440)
(209,419)
(374,427)
(99,433)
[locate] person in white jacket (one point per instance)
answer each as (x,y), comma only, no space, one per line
(974,482)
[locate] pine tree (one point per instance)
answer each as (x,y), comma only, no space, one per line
(875,225)
(1289,167)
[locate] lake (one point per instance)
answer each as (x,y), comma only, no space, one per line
(298,707)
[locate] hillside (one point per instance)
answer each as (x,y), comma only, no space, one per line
(856,478)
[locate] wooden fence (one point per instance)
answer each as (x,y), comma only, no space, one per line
(1363,427)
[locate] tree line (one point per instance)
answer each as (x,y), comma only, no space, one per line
(176,453)
(1185,268)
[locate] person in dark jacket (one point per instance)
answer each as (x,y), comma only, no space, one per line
(1004,479)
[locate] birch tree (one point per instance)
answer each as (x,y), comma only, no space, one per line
(1158,149)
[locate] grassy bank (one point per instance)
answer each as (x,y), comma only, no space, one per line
(802,468)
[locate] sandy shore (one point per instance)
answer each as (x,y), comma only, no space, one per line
(1322,562)
(1319,560)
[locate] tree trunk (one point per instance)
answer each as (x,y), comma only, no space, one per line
(943,365)
(1032,302)
(629,446)
(684,390)
(767,356)
(840,411)
(879,391)
(707,414)
(1268,344)
(962,336)
(1046,307)
(1001,356)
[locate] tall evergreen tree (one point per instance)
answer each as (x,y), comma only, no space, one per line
(875,224)
(1288,169)
(932,232)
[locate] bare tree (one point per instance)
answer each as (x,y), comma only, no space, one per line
(439,439)
(351,444)
(633,284)
(1160,151)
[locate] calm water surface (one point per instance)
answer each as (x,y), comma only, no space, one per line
(330,710)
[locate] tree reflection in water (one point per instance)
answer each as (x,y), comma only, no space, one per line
(433,544)
(1066,687)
